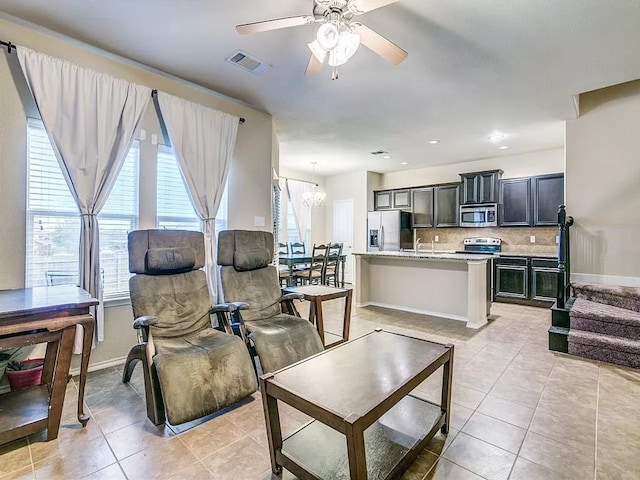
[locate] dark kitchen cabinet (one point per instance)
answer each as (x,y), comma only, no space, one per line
(402,199)
(548,195)
(422,201)
(382,200)
(525,280)
(480,187)
(544,279)
(446,205)
(515,202)
(511,278)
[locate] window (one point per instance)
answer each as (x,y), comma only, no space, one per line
(175,210)
(291,230)
(116,219)
(53,223)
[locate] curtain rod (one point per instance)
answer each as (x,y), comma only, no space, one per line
(11,46)
(154,92)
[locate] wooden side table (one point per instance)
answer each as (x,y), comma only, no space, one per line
(316,294)
(29,316)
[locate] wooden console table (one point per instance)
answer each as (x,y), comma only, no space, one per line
(29,316)
(316,294)
(367,424)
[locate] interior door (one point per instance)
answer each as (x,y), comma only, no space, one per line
(343,233)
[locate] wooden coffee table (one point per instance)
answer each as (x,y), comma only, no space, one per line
(367,424)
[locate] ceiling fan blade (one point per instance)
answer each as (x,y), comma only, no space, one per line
(380,45)
(314,67)
(276,24)
(358,7)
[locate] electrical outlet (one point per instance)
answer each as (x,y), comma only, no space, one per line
(258,221)
(437,239)
(532,239)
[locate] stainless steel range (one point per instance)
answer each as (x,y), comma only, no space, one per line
(482,245)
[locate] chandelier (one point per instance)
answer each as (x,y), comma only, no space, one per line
(313,198)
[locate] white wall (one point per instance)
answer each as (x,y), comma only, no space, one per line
(528,164)
(344,187)
(603,185)
(249,177)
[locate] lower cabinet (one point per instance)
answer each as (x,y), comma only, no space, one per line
(526,280)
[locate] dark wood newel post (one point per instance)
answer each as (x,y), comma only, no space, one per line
(562,230)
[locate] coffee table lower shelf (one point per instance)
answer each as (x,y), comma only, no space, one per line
(391,443)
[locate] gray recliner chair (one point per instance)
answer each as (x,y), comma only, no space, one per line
(267,320)
(190,369)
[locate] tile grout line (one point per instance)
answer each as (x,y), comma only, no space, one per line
(526,433)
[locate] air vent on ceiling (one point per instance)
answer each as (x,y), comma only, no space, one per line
(247,62)
(379,152)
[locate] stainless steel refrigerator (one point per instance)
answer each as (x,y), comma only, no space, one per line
(389,231)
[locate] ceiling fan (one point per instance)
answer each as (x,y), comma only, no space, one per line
(338,36)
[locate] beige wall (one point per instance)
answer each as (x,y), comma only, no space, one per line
(249,177)
(528,164)
(603,185)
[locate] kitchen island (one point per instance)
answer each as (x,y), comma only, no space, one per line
(448,285)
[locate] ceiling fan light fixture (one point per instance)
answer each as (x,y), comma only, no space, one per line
(347,46)
(328,36)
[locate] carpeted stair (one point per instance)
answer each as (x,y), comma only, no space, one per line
(605,324)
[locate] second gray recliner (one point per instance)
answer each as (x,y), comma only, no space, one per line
(247,276)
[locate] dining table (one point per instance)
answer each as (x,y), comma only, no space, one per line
(291,260)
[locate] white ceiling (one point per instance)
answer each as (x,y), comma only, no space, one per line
(474,66)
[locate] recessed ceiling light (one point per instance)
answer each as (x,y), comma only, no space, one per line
(434,141)
(386,156)
(495,137)
(503,147)
(404,163)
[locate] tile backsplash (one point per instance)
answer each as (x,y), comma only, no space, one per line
(514,239)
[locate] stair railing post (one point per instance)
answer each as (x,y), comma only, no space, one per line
(562,230)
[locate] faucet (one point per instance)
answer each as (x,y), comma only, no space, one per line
(417,245)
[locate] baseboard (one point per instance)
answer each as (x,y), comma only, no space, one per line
(605,279)
(414,310)
(93,367)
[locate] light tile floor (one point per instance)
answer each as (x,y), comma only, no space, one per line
(519,412)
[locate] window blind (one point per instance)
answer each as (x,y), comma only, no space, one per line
(53,223)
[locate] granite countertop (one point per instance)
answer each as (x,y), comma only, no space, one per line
(524,254)
(426,255)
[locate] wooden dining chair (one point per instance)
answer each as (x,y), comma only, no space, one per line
(283,248)
(332,265)
(297,248)
(314,273)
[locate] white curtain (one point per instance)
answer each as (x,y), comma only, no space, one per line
(90,119)
(296,190)
(203,140)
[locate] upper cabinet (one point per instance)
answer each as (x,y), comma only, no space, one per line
(548,195)
(392,199)
(515,202)
(382,200)
(447,205)
(402,199)
(480,187)
(531,201)
(422,201)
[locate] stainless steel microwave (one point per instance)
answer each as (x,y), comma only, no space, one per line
(479,215)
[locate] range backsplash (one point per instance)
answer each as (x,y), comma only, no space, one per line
(514,239)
